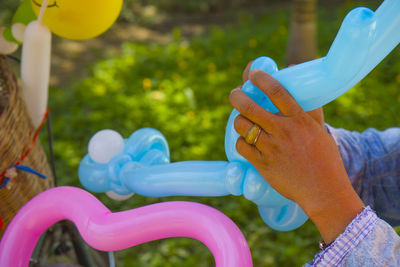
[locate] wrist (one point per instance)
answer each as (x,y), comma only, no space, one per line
(332,214)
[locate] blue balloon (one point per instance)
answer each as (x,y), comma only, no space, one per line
(364,39)
(144,167)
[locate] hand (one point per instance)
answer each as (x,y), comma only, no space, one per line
(296,156)
(316,114)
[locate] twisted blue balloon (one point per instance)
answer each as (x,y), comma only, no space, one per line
(143,168)
(363,41)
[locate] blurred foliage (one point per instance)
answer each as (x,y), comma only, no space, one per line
(196,6)
(182,90)
(7,9)
(135,10)
(150,12)
(188,5)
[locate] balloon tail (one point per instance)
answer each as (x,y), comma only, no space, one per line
(42,10)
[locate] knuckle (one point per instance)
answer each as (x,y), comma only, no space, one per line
(251,108)
(286,134)
(302,121)
(258,74)
(263,158)
(287,129)
(240,146)
(233,94)
(264,140)
(246,71)
(276,90)
(238,123)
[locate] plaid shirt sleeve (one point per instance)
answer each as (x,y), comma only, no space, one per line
(367,241)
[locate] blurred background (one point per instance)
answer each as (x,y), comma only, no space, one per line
(170,65)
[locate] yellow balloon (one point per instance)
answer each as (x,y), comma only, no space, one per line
(79,19)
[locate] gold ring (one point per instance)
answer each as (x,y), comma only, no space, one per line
(253,134)
(258,135)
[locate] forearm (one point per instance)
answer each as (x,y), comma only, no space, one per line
(335,213)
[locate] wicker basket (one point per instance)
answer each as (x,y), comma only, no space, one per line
(16,134)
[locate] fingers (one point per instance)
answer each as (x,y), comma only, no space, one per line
(249,109)
(251,153)
(245,75)
(317,115)
(243,125)
(279,96)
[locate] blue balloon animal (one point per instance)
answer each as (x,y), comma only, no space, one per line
(142,165)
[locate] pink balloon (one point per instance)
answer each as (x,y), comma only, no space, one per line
(109,231)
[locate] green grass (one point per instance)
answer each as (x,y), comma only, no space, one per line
(182,90)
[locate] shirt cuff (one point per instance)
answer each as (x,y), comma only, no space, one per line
(330,131)
(355,232)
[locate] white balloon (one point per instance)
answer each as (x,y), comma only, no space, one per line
(35,70)
(18,31)
(111,194)
(104,145)
(6,47)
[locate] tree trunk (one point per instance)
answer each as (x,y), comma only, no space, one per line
(302,40)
